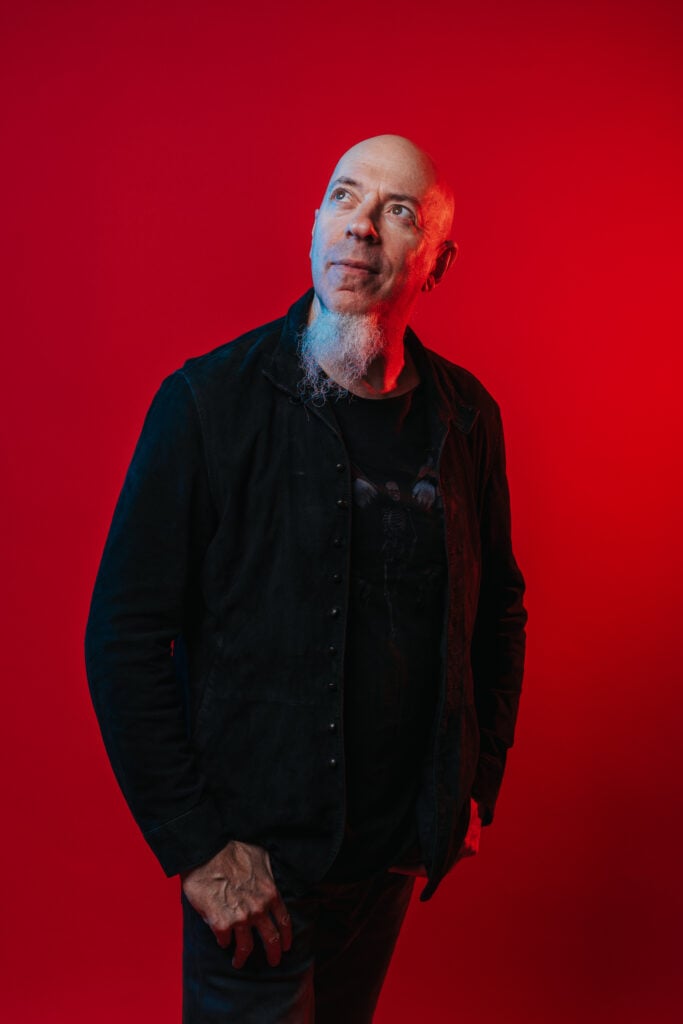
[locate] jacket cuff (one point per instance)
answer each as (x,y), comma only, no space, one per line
(189,840)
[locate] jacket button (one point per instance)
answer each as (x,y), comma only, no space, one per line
(332,685)
(337,542)
(336,576)
(332,762)
(340,467)
(332,726)
(334,612)
(342,503)
(331,649)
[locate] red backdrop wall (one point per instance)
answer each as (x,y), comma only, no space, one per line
(161,166)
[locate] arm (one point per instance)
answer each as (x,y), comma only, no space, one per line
(145,597)
(499,634)
(141,603)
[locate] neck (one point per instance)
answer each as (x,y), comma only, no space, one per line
(390,373)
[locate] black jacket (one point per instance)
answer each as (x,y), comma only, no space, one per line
(213,654)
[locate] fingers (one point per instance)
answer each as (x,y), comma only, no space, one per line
(223,938)
(270,937)
(470,846)
(283,922)
(244,945)
(275,942)
(276,936)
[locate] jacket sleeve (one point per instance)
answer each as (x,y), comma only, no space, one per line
(142,602)
(499,634)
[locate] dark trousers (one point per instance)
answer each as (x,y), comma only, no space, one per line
(343,939)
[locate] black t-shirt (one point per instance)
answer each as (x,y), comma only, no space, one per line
(392,661)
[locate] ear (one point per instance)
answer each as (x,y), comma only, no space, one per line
(445,256)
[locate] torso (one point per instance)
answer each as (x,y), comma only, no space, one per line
(398,578)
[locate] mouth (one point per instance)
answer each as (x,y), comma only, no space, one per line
(358,265)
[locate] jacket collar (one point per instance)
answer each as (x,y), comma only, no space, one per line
(445,401)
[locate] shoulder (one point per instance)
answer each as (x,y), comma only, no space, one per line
(233,361)
(462,389)
(239,367)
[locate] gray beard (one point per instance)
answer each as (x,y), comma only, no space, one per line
(347,343)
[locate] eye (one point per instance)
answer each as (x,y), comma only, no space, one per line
(401,212)
(339,194)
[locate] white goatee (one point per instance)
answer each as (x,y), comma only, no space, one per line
(346,343)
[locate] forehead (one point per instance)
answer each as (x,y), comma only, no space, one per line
(388,169)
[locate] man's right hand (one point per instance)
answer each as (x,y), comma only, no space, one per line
(234,892)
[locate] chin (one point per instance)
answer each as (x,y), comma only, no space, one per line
(347,302)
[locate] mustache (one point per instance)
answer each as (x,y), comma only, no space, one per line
(364,260)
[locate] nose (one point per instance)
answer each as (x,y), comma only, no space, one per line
(362,226)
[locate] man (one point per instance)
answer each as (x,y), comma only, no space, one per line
(306,639)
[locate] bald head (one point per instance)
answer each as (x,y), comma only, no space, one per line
(397,155)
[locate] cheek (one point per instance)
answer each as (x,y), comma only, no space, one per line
(408,268)
(317,248)
(321,241)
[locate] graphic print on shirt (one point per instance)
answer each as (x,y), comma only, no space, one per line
(401,516)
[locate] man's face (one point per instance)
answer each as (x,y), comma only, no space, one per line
(378,231)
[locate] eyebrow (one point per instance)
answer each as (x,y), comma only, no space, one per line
(394,196)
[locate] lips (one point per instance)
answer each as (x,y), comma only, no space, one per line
(356,265)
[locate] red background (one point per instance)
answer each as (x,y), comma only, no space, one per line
(161,166)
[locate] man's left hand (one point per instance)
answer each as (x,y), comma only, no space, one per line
(470,844)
